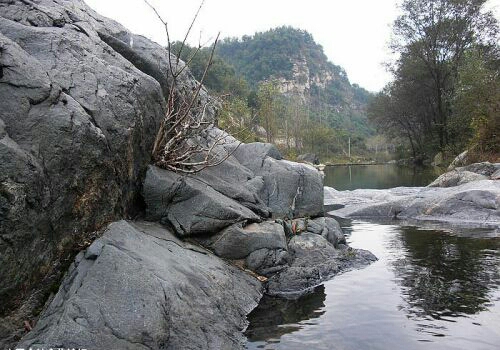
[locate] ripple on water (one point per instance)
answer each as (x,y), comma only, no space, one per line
(430,289)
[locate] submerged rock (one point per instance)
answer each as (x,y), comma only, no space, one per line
(147,290)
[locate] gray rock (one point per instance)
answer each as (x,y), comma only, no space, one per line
(252,155)
(79,121)
(314,261)
(147,290)
(237,182)
(190,206)
(94,250)
(308,158)
(495,175)
(459,160)
(484,168)
(456,177)
(290,189)
(329,228)
(267,262)
(237,242)
(473,204)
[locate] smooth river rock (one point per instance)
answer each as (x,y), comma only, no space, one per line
(143,288)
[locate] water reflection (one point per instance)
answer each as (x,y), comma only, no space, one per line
(274,316)
(429,290)
(443,275)
(378,176)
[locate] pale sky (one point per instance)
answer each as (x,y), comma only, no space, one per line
(354,33)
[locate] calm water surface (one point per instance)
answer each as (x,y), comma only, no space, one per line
(350,177)
(428,290)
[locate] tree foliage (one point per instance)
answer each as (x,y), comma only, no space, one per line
(435,39)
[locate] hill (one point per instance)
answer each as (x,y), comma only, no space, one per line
(281,81)
(292,57)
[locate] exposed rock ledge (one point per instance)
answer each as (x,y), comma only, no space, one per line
(466,197)
(140,287)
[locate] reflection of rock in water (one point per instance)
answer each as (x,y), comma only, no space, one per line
(274,317)
(444,275)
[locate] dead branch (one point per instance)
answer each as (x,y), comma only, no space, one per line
(183,142)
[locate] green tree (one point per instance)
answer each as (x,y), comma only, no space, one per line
(437,33)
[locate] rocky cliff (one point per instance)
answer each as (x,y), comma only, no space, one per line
(292,58)
(81,102)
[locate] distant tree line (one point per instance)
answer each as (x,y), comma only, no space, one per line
(446,90)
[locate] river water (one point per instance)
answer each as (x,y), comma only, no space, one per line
(430,289)
(350,177)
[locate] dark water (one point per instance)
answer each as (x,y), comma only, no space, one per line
(428,290)
(350,177)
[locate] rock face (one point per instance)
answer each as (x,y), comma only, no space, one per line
(143,288)
(459,160)
(455,178)
(254,176)
(237,242)
(77,124)
(469,173)
(190,206)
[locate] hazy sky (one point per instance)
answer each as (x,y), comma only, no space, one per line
(353,33)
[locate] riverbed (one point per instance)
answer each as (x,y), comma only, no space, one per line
(430,289)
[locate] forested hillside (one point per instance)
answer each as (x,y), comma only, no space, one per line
(280,86)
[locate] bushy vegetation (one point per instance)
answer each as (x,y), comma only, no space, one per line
(445,95)
(249,72)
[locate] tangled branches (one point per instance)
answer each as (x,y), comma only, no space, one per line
(184,142)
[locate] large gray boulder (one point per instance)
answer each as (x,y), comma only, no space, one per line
(142,288)
(237,182)
(78,121)
(329,228)
(267,262)
(290,189)
(237,242)
(190,206)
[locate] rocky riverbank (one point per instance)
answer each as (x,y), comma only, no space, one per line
(466,197)
(156,259)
